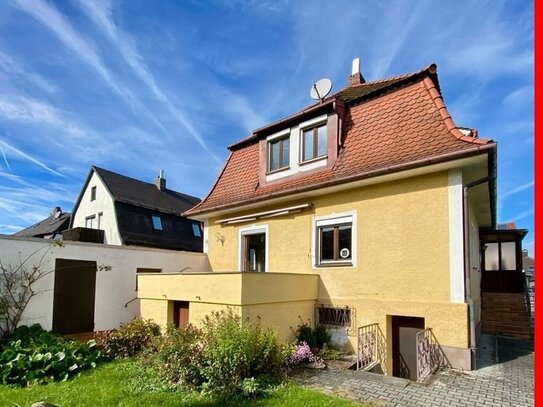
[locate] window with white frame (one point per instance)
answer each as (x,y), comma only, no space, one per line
(100,220)
(90,222)
(279,153)
(335,244)
(314,142)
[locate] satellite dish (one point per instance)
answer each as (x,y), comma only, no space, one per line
(57,212)
(321,89)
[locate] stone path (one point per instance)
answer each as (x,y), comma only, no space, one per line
(505,377)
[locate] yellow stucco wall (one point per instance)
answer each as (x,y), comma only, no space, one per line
(402,232)
(283,318)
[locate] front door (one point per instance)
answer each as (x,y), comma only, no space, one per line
(254,252)
(74,295)
(404,346)
(180,313)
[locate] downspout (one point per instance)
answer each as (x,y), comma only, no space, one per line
(467,269)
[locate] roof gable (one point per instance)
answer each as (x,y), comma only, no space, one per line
(139,193)
(389,125)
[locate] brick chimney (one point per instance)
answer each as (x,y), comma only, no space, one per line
(356,77)
(160,181)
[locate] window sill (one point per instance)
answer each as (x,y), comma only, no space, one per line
(322,157)
(334,264)
(278,170)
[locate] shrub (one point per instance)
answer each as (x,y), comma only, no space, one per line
(322,336)
(31,355)
(305,334)
(129,339)
(233,352)
(176,357)
(302,354)
(316,338)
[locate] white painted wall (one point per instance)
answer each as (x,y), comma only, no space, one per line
(104,204)
(114,288)
(456,235)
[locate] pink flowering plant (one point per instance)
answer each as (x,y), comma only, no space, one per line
(301,354)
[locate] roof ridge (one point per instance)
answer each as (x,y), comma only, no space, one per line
(143,182)
(430,68)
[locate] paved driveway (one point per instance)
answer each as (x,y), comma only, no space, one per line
(505,377)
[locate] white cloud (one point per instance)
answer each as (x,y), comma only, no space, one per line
(101,13)
(19,153)
(51,18)
(15,70)
(517,189)
(519,97)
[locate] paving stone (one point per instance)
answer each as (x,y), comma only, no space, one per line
(506,378)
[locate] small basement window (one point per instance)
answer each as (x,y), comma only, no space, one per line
(279,154)
(157,222)
(314,142)
(337,317)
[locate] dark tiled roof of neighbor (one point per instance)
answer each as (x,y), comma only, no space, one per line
(145,194)
(48,226)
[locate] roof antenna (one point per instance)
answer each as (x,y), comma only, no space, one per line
(321,89)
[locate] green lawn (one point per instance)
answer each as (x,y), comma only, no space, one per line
(108,385)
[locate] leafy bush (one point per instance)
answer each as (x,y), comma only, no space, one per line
(224,358)
(314,338)
(129,339)
(176,357)
(305,334)
(31,355)
(233,352)
(322,336)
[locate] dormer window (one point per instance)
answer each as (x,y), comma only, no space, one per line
(279,153)
(314,142)
(157,222)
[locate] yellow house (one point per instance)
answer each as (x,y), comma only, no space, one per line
(361,212)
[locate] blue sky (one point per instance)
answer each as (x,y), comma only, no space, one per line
(137,86)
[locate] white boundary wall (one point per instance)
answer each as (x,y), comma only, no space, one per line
(114,288)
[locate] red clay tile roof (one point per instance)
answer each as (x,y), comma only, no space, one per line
(389,125)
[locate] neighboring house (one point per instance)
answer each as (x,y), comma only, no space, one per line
(367,212)
(133,212)
(49,228)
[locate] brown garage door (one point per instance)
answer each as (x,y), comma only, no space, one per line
(73,306)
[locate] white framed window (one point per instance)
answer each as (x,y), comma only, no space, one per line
(279,153)
(253,254)
(90,222)
(157,222)
(335,240)
(314,142)
(100,220)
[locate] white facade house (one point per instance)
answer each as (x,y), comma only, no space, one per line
(136,213)
(96,210)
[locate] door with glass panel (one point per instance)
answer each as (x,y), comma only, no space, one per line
(254,252)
